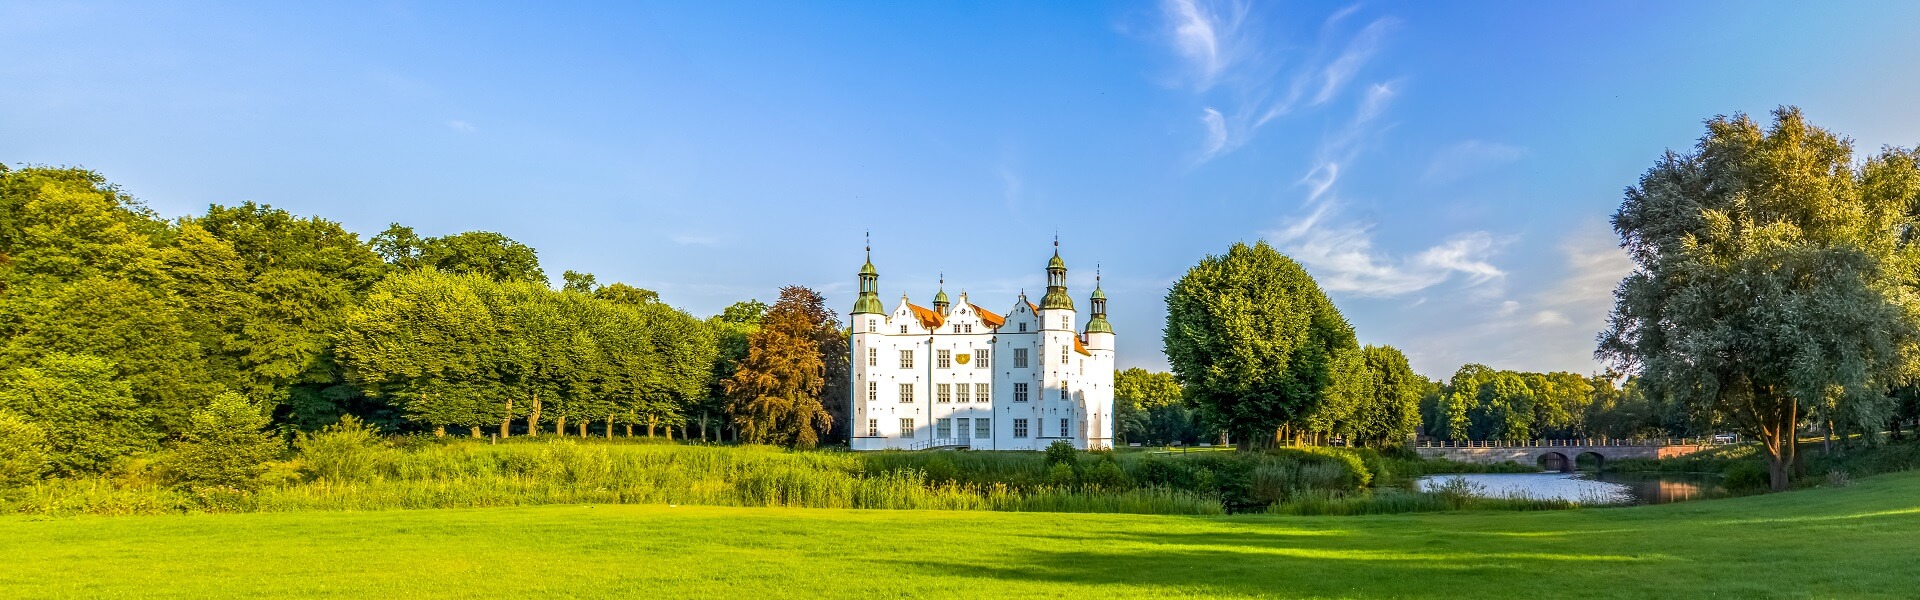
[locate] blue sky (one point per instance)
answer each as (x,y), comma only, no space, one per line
(1445,170)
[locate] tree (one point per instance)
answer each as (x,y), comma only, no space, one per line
(1252,340)
(483,253)
(422,339)
(1392,415)
(88,419)
(1138,396)
(1775,281)
(226,446)
(775,396)
(731,330)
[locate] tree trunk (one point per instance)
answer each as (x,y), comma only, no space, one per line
(507,421)
(703,427)
(440,431)
(476,432)
(533,418)
(649,427)
(560,426)
(629,430)
(669,433)
(583,428)
(609,428)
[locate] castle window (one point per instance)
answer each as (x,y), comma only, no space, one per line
(942,428)
(943,393)
(873,391)
(1063,390)
(906,359)
(943,358)
(1019,358)
(1019,428)
(1064,323)
(1063,429)
(980,359)
(964,427)
(1063,355)
(873,428)
(906,428)
(906,393)
(980,392)
(903,329)
(1020,392)
(873,325)
(960,392)
(873,357)
(982,429)
(1023,327)
(969,328)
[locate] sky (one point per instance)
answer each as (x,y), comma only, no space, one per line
(1445,171)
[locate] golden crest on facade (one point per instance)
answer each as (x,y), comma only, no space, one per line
(961,358)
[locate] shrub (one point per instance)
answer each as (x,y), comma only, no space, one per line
(23,450)
(1107,475)
(224,446)
(346,451)
(1061,475)
(1062,453)
(1745,475)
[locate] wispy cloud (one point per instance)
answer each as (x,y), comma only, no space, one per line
(1216,133)
(1244,82)
(460,126)
(1334,77)
(687,239)
(1459,160)
(1342,256)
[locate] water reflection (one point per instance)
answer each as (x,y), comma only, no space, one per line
(1590,488)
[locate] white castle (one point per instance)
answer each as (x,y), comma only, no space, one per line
(958,375)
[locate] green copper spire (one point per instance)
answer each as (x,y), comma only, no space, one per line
(940,302)
(869,300)
(1056,297)
(1099,324)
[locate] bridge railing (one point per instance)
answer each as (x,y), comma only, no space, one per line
(1564,443)
(939,443)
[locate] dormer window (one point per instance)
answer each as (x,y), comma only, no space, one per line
(903,329)
(1023,328)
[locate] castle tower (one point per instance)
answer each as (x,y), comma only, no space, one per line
(940,303)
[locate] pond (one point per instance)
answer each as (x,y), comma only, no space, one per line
(1590,488)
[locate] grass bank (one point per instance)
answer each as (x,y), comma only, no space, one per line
(1851,542)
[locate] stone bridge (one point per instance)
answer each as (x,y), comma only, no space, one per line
(1557,455)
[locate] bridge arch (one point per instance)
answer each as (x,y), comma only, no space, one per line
(1599,460)
(1555,461)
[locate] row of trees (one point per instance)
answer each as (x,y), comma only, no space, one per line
(467,350)
(1481,403)
(119,330)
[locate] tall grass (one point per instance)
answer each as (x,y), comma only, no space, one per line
(472,475)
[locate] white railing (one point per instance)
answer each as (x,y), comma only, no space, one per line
(940,443)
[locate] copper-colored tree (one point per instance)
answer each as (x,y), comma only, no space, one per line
(775,396)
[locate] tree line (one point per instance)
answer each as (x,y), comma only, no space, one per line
(123,332)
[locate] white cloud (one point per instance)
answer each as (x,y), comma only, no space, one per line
(1375,102)
(1342,257)
(695,240)
(1196,38)
(1246,82)
(460,126)
(1216,132)
(1466,158)
(1550,318)
(1334,77)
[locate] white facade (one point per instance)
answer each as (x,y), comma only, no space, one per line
(961,375)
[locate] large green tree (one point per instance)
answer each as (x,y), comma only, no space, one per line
(1774,283)
(1253,341)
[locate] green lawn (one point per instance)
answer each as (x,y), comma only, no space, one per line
(1860,541)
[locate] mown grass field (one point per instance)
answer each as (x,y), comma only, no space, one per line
(1861,541)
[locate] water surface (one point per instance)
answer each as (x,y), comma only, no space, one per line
(1590,488)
